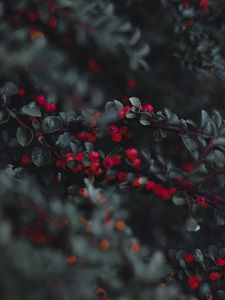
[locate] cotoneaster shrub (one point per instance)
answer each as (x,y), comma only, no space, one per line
(104,198)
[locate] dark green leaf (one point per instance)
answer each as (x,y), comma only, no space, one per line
(192,225)
(144,120)
(199,256)
(24,136)
(190,143)
(204,119)
(51,124)
(31,110)
(41,156)
(4,116)
(9,89)
(220,141)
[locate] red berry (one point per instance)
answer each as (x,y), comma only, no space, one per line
(33,16)
(122,176)
(79,156)
(148,107)
(136,183)
(39,134)
(108,163)
(150,185)
(113,129)
(137,163)
(116,159)
(220,261)
(69,157)
(194,281)
(41,99)
(131,153)
(187,167)
(131,83)
(25,159)
(50,107)
(116,137)
(21,92)
(188,257)
(204,4)
(173,190)
(123,129)
(214,276)
(94,156)
(98,172)
(78,168)
(52,22)
(59,163)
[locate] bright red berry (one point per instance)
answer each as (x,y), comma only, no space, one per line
(116,137)
(188,257)
(94,156)
(137,163)
(41,99)
(50,107)
(194,281)
(116,159)
(150,185)
(108,163)
(148,107)
(113,129)
(220,261)
(131,153)
(214,276)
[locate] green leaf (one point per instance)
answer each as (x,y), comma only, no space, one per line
(220,215)
(218,118)
(109,106)
(189,12)
(24,136)
(178,200)
(144,120)
(4,116)
(9,89)
(89,146)
(41,156)
(204,290)
(31,110)
(192,225)
(220,141)
(135,102)
(199,256)
(130,115)
(212,252)
(221,294)
(204,119)
(118,104)
(190,143)
(51,124)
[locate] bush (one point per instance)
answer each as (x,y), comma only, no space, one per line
(104,198)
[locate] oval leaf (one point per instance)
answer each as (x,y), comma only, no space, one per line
(41,156)
(24,136)
(51,124)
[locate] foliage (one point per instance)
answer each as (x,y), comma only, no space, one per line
(104,198)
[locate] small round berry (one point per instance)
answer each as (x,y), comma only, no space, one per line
(25,159)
